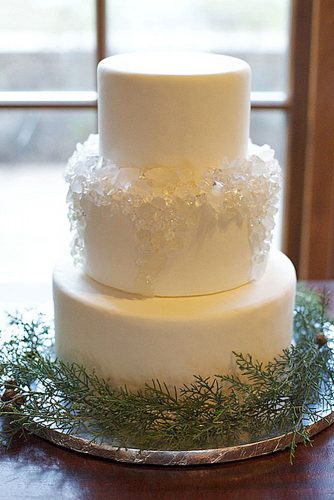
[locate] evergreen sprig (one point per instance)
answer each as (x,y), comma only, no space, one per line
(284,395)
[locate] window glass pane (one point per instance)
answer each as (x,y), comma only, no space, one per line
(255,30)
(48,45)
(269,127)
(42,136)
(33,222)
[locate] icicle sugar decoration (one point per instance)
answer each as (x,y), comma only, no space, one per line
(165,201)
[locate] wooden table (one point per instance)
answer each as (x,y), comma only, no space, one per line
(35,469)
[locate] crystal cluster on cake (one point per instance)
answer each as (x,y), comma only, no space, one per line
(172,211)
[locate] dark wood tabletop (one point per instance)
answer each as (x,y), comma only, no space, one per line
(35,469)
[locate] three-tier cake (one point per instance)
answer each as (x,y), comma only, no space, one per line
(172,211)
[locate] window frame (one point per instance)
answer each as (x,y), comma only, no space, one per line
(310,232)
(88,99)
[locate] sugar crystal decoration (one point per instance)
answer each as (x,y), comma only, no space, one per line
(164,202)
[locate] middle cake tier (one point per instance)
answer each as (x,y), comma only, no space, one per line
(168,232)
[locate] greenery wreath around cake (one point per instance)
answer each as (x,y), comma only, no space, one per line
(285,395)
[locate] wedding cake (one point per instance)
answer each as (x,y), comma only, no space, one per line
(172,211)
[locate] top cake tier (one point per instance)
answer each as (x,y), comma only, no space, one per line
(173,109)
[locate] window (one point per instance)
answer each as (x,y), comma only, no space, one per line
(48,101)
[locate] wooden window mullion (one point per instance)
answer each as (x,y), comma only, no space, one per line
(317,242)
(101,30)
(301,17)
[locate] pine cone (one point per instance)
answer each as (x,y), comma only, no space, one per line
(8,395)
(10,383)
(321,339)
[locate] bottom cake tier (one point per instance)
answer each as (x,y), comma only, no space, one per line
(131,340)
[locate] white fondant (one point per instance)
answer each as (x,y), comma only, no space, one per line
(173,109)
(130,340)
(211,258)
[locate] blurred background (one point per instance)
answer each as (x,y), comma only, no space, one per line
(48,55)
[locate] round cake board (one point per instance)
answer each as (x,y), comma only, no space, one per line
(109,449)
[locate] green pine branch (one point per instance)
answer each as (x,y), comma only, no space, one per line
(287,393)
